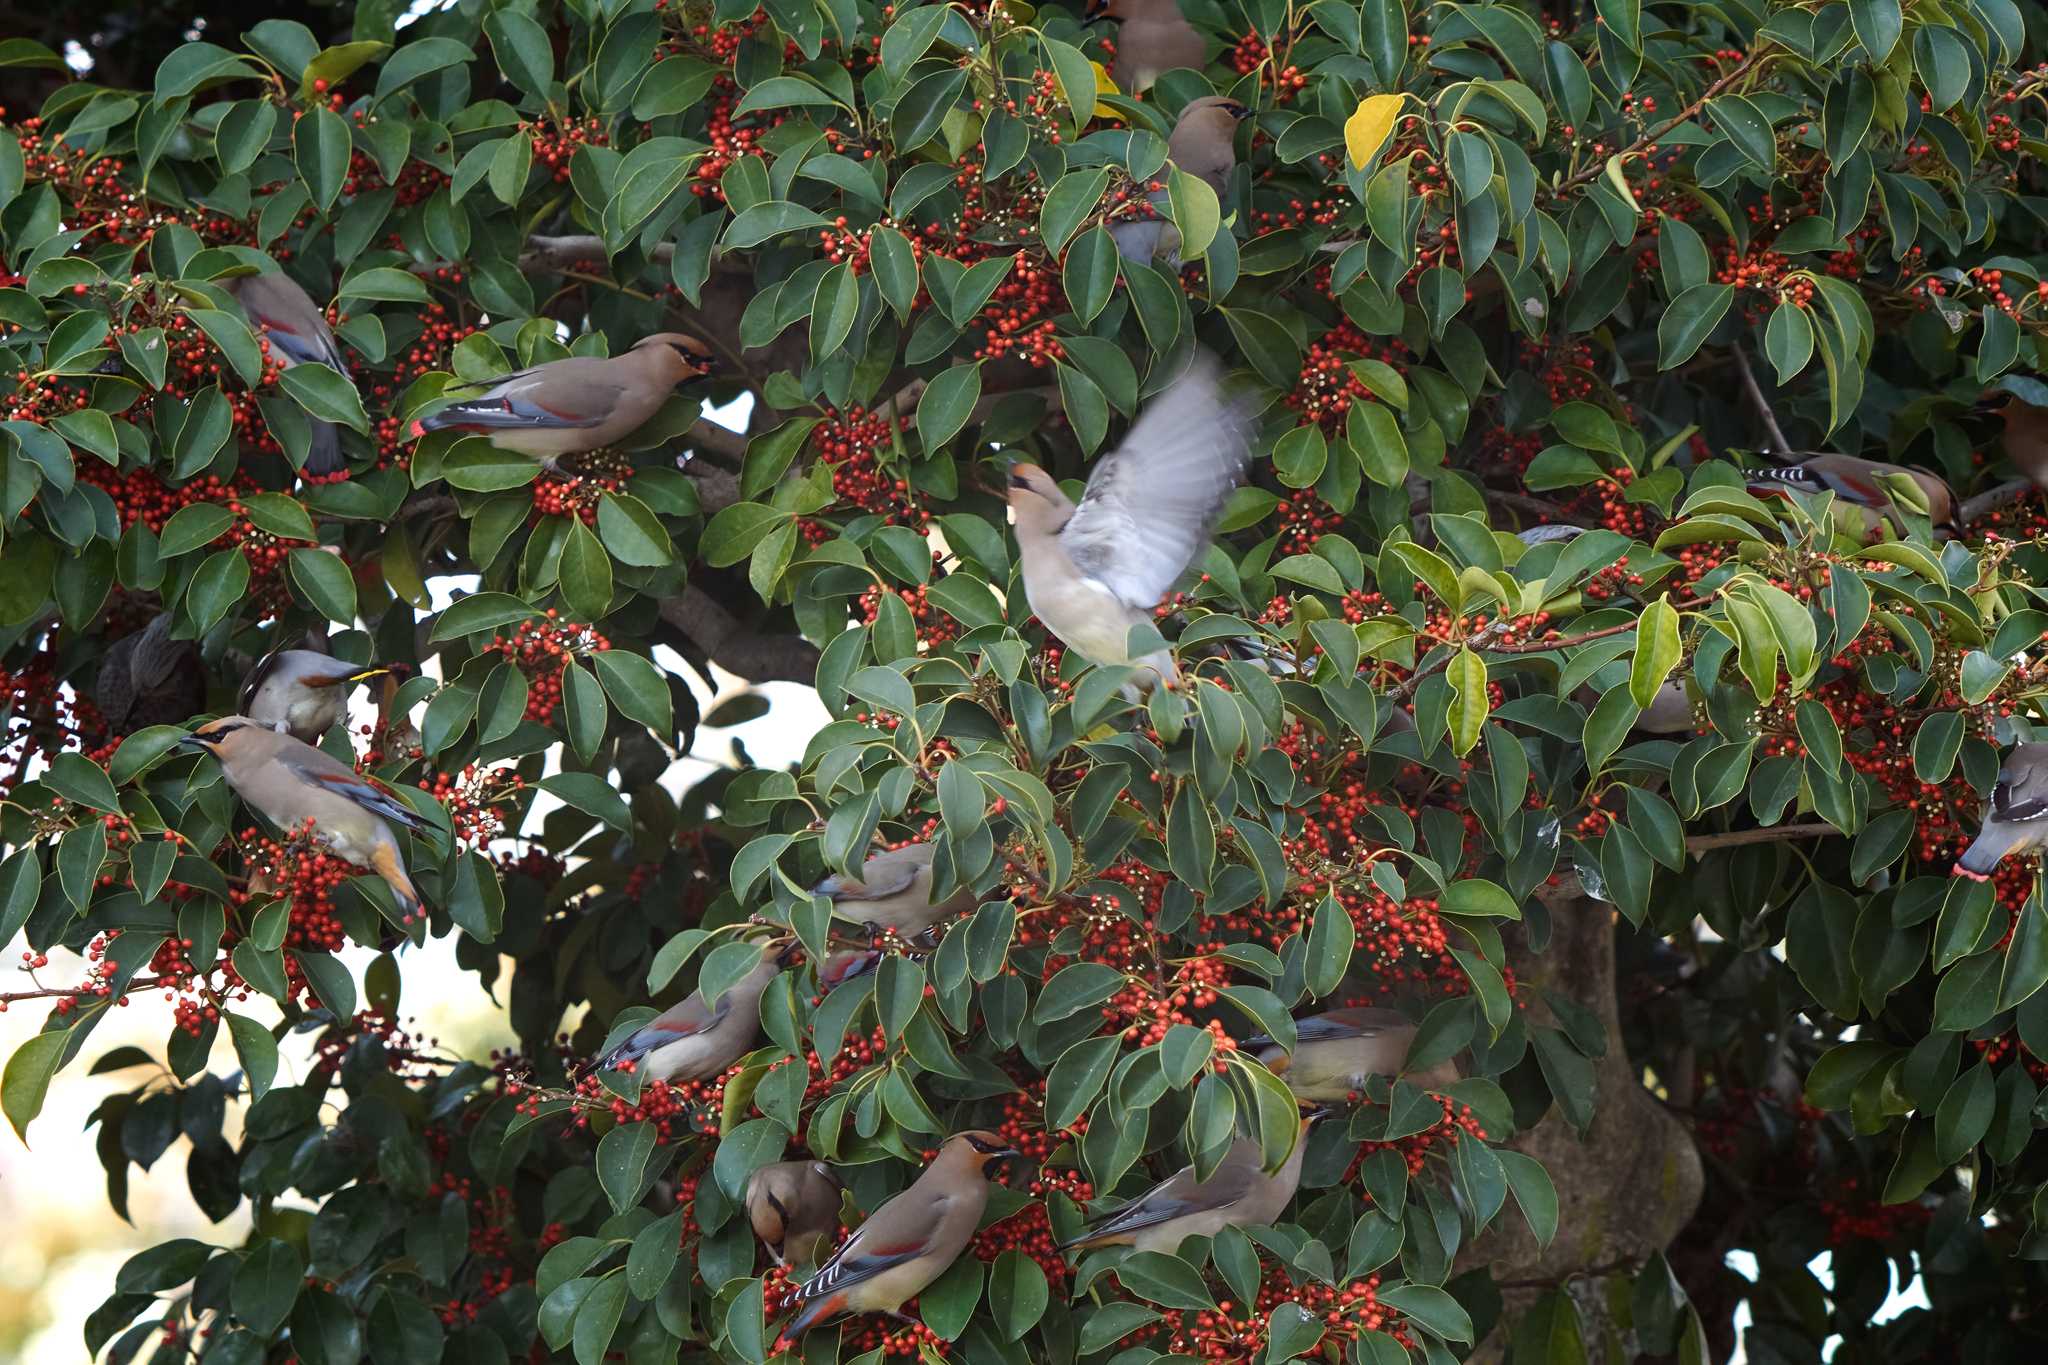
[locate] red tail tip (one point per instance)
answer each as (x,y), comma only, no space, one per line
(419,428)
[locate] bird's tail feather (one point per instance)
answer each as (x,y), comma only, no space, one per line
(325,457)
(815,1312)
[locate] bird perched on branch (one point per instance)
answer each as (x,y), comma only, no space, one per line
(1336,1051)
(300,691)
(1093,571)
(577,404)
(1203,144)
(909,1241)
(299,335)
(1857,482)
(293,785)
(1152,37)
(2016,817)
(1240,1193)
(794,1208)
(697,1039)
(894,893)
(147,678)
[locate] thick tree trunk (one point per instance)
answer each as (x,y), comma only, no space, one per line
(1625,1189)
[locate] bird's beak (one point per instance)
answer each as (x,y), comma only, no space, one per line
(1015,481)
(195,740)
(1097,11)
(1316,1113)
(1991,403)
(788,953)
(835,886)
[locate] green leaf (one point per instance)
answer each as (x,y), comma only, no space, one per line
(325,395)
(1470,704)
(636,687)
(625,1163)
(1089,274)
(1017,1294)
(26,1081)
(1691,318)
(946,404)
(320,148)
(522,50)
(1431,1308)
(1657,652)
(327,583)
(592,795)
(266,1285)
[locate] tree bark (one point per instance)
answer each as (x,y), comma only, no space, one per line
(1627,1188)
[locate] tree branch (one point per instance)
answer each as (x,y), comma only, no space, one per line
(1738,838)
(565,253)
(1779,445)
(723,442)
(1735,73)
(727,642)
(1991,499)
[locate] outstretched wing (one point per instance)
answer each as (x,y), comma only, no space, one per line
(1151,502)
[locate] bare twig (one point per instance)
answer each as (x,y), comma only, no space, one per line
(565,253)
(1779,445)
(727,641)
(723,442)
(1738,838)
(1735,73)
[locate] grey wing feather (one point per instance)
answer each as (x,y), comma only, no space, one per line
(1175,1197)
(851,1264)
(258,675)
(348,783)
(1151,502)
(2022,790)
(156,654)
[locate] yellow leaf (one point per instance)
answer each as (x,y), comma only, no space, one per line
(1369,127)
(1104,86)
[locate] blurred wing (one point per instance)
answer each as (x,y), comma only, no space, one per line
(295,324)
(360,790)
(1151,502)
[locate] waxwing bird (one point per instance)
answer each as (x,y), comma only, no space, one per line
(1336,1051)
(847,964)
(1240,1193)
(147,678)
(2016,820)
(1152,37)
(2026,432)
(1549,531)
(697,1039)
(1092,572)
(299,335)
(894,893)
(909,1241)
(566,407)
(794,1207)
(1855,481)
(300,691)
(290,783)
(1203,144)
